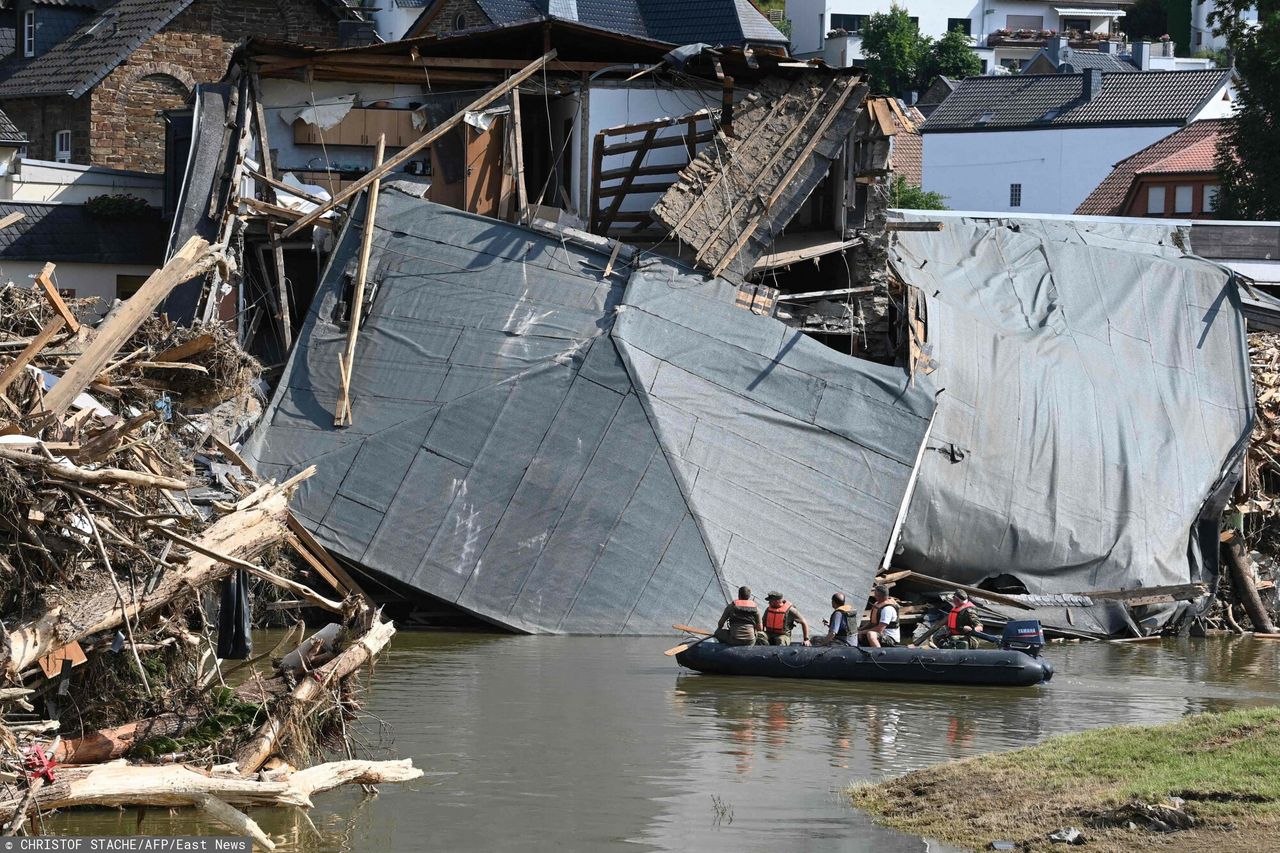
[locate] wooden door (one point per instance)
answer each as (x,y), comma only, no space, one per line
(484,169)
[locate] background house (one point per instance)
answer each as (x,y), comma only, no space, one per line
(1176,176)
(1058,56)
(716,22)
(1006,33)
(87,81)
(1041,143)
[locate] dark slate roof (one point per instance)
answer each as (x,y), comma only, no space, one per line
(44,234)
(672,21)
(1028,102)
(1081,60)
(79,4)
(77,63)
(9,132)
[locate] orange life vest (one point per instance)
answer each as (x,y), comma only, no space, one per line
(775,617)
(953,618)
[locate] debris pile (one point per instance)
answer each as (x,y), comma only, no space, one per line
(132,538)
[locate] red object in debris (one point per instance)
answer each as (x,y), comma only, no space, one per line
(38,764)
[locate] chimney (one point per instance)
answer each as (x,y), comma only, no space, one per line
(1054,46)
(1107,47)
(1142,55)
(1092,83)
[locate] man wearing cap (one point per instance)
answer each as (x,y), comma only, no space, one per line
(884,628)
(962,621)
(780,618)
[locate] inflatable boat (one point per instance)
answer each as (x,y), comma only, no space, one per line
(1016,663)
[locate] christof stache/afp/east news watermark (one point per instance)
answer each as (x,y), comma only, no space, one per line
(129,844)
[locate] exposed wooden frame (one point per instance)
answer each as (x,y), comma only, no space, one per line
(45,279)
(342,416)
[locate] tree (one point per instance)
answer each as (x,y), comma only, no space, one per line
(950,56)
(895,51)
(1247,161)
(1146,19)
(910,197)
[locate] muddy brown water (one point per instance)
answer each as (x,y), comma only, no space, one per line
(582,744)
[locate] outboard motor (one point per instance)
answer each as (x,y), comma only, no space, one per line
(1024,636)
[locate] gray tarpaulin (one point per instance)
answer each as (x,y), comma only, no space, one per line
(1097,399)
(556,455)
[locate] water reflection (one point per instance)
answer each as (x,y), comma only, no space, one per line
(535,744)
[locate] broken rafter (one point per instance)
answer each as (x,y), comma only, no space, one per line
(343,414)
(422,142)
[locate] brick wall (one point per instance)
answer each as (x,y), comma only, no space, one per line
(126,131)
(445,20)
(41,118)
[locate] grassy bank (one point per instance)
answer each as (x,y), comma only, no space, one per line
(1114,784)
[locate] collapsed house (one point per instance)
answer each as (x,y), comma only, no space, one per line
(738,367)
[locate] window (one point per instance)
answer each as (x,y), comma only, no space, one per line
(1211,198)
(1199,38)
(1155,201)
(848,23)
(460,22)
(1182,197)
(964,25)
(1024,22)
(1015,195)
(62,146)
(1079,25)
(29,33)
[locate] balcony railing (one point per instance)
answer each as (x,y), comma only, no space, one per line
(1040,38)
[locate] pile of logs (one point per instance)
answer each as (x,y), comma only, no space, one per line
(127,521)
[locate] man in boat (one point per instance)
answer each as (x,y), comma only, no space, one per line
(962,621)
(742,617)
(780,619)
(884,628)
(842,627)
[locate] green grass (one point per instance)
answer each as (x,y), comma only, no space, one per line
(1225,766)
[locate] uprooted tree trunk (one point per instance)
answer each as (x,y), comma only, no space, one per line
(1242,583)
(245,534)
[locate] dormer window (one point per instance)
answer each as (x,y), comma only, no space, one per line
(29,32)
(460,22)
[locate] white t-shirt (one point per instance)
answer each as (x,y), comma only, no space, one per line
(889,615)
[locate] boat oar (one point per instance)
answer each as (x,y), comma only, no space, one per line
(688,645)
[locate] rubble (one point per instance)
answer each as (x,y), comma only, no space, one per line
(125,514)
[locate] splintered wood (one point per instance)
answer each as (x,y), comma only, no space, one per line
(123,516)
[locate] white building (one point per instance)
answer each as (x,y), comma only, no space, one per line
(1006,33)
(1202,32)
(1041,143)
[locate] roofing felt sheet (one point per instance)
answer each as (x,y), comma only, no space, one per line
(1097,398)
(542,450)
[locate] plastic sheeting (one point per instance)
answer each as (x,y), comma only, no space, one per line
(1097,399)
(554,454)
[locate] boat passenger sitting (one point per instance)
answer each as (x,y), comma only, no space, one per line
(745,627)
(780,618)
(962,622)
(884,628)
(841,627)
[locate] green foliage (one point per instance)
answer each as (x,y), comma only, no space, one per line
(950,56)
(1247,162)
(785,27)
(1219,57)
(228,714)
(895,51)
(910,197)
(117,206)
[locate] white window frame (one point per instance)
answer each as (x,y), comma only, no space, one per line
(1015,195)
(62,146)
(1155,201)
(29,32)
(1211,197)
(1184,199)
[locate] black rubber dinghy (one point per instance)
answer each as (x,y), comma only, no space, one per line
(996,667)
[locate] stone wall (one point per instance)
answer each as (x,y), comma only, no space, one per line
(445,21)
(41,118)
(127,130)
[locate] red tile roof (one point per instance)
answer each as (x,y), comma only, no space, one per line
(907,156)
(1192,149)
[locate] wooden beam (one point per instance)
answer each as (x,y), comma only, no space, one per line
(284,314)
(343,414)
(620,191)
(45,280)
(643,171)
(422,142)
(517,153)
(913,226)
(584,147)
(622,129)
(191,260)
(681,140)
(322,554)
(10,219)
(39,342)
(272,64)
(281,186)
(974,592)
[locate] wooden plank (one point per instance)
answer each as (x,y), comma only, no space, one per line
(913,226)
(230,453)
(45,280)
(314,562)
(424,141)
(974,592)
(322,553)
(517,151)
(191,260)
(643,171)
(281,186)
(274,64)
(635,189)
(799,161)
(660,142)
(584,146)
(51,327)
(10,219)
(620,192)
(343,414)
(181,352)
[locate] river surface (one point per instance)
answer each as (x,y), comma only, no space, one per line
(583,744)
